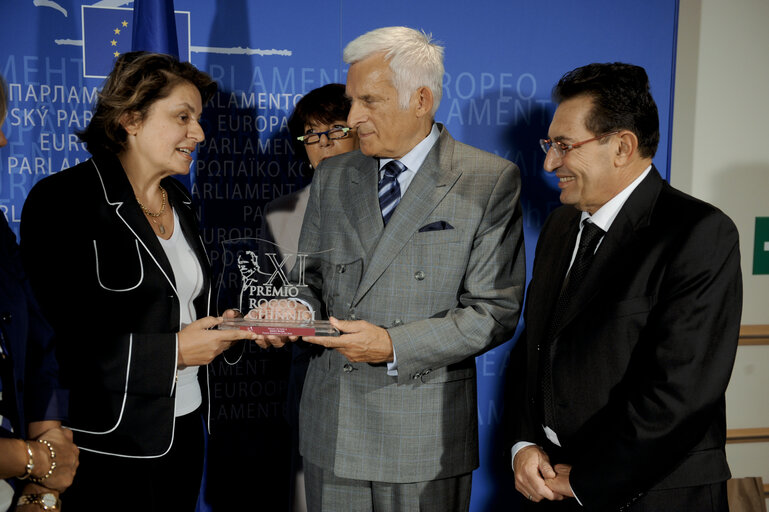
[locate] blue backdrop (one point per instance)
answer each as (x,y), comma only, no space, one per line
(502,58)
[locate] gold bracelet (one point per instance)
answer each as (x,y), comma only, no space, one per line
(46,501)
(53,462)
(30,463)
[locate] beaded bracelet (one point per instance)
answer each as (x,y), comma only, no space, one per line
(30,463)
(53,462)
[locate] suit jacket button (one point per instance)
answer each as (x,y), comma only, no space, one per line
(419,275)
(397,322)
(348,368)
(6,316)
(340,269)
(416,376)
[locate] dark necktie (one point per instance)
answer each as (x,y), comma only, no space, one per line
(591,235)
(389,189)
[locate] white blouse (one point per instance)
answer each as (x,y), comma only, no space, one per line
(189,282)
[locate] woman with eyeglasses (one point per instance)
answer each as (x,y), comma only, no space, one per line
(319,124)
(319,130)
(114,255)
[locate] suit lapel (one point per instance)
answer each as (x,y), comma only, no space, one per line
(430,185)
(622,237)
(364,202)
(564,237)
(119,195)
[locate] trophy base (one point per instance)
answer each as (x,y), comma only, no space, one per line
(282,328)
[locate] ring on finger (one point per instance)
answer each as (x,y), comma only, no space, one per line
(529,497)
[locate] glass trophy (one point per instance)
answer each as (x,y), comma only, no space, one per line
(257,278)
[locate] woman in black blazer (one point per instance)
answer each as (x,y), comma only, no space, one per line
(113,252)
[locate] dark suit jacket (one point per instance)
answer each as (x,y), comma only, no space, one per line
(105,283)
(645,350)
(444,296)
(34,383)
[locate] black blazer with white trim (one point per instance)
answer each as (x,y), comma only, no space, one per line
(107,287)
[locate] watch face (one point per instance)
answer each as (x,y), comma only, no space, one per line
(48,499)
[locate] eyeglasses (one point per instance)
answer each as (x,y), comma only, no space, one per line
(333,134)
(561,148)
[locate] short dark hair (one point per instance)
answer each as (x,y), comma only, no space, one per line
(137,81)
(621,97)
(323,105)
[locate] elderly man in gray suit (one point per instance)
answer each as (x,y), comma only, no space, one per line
(415,241)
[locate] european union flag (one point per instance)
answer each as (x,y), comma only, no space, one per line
(108,33)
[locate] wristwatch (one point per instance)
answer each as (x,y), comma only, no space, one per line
(48,501)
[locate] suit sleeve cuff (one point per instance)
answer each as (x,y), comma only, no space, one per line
(520,445)
(575,496)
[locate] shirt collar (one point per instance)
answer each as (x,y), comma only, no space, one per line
(605,215)
(414,159)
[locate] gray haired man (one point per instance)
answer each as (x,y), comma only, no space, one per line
(416,254)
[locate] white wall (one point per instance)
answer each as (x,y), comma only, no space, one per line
(721,121)
(721,155)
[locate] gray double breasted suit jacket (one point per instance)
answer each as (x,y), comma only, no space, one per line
(445,277)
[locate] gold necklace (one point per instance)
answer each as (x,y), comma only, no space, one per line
(154,216)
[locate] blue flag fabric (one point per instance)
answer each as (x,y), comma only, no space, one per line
(154,27)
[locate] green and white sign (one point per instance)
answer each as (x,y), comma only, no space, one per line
(761,248)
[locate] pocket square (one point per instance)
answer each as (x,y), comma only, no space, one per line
(438,225)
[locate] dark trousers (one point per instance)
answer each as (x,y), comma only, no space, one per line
(170,482)
(700,498)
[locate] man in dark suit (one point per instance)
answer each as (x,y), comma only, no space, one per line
(632,317)
(415,248)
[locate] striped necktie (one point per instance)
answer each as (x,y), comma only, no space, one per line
(389,189)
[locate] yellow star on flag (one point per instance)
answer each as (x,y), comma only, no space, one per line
(125,23)
(117,31)
(116,54)
(113,42)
